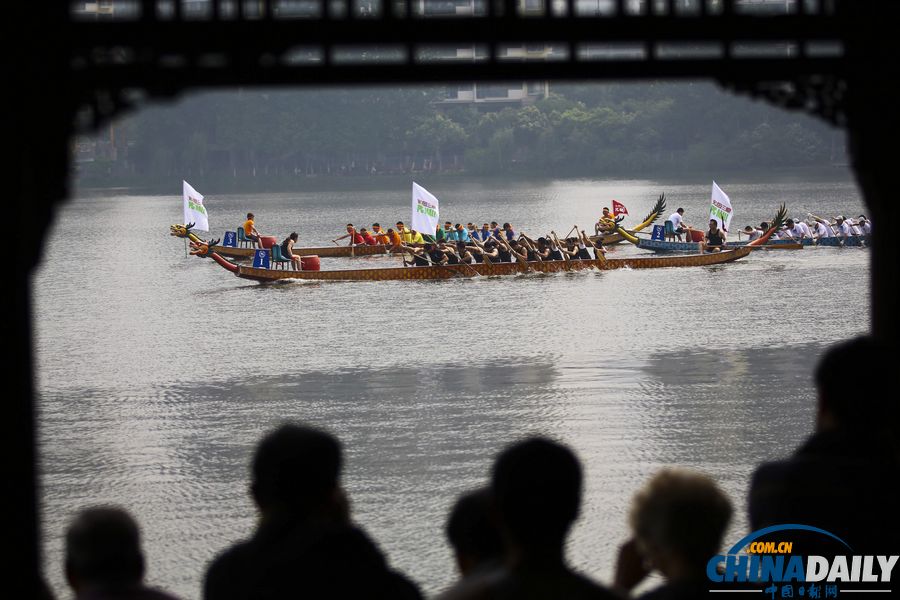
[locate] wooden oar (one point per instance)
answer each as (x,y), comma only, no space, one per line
(516,254)
(559,248)
(484,257)
(470,267)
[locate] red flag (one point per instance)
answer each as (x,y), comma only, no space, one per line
(619,208)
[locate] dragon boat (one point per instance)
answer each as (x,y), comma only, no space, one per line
(437,272)
(835,242)
(761,242)
(614,237)
(667,247)
(236,253)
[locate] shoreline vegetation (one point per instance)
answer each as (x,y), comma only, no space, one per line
(257,140)
(261,185)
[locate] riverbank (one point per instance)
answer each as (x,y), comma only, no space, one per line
(224,184)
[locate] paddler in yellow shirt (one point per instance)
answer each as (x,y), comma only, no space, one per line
(405,234)
(416,237)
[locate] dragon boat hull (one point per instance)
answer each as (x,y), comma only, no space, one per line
(665,247)
(487,270)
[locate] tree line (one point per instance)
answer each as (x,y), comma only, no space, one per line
(579,130)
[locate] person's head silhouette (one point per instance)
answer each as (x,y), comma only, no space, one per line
(103,549)
(296,469)
(537,489)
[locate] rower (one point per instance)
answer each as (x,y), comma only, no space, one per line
(555,252)
(807,232)
(380,236)
(532,253)
(865,225)
(752,233)
(449,234)
(462,252)
(543,249)
(355,237)
(587,243)
(503,252)
(462,234)
(367,237)
(793,230)
(517,251)
(570,249)
(415,237)
(821,230)
(579,246)
(714,237)
(843,228)
(437,256)
(491,252)
(393,239)
(405,234)
(427,255)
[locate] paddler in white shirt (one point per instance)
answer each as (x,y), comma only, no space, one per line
(752,233)
(823,228)
(793,231)
(820,230)
(843,228)
(865,225)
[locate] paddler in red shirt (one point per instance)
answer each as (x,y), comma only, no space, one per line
(355,237)
(367,237)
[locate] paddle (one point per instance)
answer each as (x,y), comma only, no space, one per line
(515,254)
(468,266)
(485,257)
(530,246)
(560,248)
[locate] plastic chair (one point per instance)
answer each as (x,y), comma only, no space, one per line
(670,232)
(243,239)
(278,258)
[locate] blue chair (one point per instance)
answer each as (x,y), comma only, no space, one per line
(278,258)
(243,240)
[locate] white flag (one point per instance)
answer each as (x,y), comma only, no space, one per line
(194,211)
(425,211)
(720,208)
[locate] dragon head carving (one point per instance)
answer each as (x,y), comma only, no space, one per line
(184,231)
(181,231)
(202,248)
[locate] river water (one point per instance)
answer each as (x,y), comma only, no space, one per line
(158,372)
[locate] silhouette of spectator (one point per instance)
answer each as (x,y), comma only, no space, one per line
(536,485)
(305,545)
(844,477)
(473,533)
(104,559)
(677,521)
